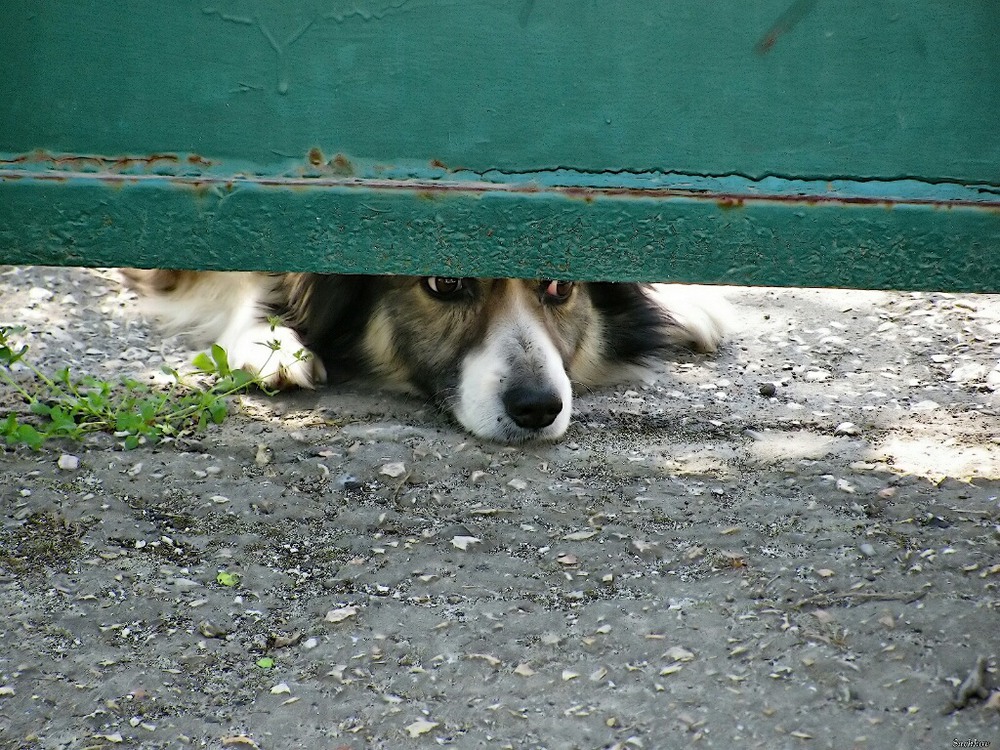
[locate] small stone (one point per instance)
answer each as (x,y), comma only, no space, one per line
(350,482)
(817,376)
(767,390)
(420,727)
(847,428)
(867,550)
(264,455)
(394,469)
(68,462)
(993,379)
(678,653)
(39,294)
(340,614)
(517,483)
(967,373)
(844,486)
(464,542)
(209,630)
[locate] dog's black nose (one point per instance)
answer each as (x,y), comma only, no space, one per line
(532,408)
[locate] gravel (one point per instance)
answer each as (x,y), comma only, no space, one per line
(795,543)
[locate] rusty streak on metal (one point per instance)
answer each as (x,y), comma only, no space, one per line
(785,23)
(79,162)
(431,188)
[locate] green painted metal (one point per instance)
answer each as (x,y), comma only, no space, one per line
(788,142)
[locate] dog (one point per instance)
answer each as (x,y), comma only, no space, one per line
(501,355)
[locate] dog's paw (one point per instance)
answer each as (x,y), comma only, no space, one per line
(276,356)
(699,317)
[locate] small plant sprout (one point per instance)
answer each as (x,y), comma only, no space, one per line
(69,406)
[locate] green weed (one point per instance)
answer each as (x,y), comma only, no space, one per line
(65,405)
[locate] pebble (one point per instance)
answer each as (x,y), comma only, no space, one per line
(210,630)
(39,294)
(767,389)
(967,373)
(184,583)
(847,428)
(264,455)
(68,462)
(993,379)
(867,550)
(394,469)
(350,482)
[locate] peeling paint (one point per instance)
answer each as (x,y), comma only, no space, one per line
(428,188)
(315,172)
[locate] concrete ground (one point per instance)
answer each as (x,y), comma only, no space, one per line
(792,544)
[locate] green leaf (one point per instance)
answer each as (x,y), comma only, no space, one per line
(9,425)
(218,411)
(266,663)
(221,359)
(127,422)
(37,407)
(148,410)
(203,363)
(241,379)
(8,356)
(227,579)
(131,442)
(62,421)
(96,401)
(28,435)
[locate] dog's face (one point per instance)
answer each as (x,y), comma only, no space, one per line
(498,353)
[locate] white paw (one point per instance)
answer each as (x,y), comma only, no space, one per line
(276,356)
(701,314)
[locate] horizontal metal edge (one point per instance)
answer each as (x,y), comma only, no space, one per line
(397,228)
(791,192)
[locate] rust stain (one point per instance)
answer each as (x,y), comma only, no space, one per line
(438,164)
(785,23)
(315,156)
(86,162)
(341,165)
(431,189)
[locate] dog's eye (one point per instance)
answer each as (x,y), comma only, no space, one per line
(443,286)
(557,291)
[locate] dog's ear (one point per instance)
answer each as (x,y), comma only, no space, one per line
(643,319)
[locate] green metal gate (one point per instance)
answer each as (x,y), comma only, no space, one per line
(807,142)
